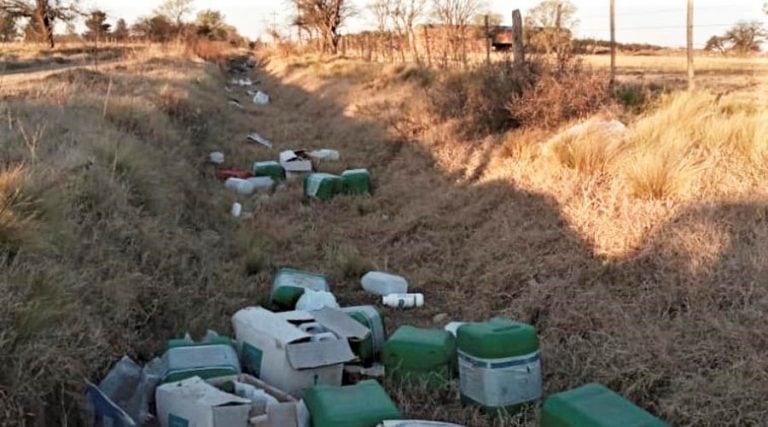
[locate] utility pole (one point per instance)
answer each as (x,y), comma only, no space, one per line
(691,83)
(487,41)
(613,43)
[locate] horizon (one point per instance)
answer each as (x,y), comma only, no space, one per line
(657,22)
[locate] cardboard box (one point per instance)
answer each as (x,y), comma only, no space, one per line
(195,403)
(293,351)
(289,412)
(295,161)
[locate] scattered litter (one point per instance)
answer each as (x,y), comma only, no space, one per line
(258,139)
(416,423)
(227,89)
(357,181)
(272,407)
(325,154)
(452,327)
(213,357)
(289,285)
(233,173)
(295,161)
(103,408)
(485,381)
(241,186)
(276,350)
(376,370)
(269,168)
(315,300)
(128,387)
(216,157)
(194,402)
(237,210)
(594,405)
(403,300)
(236,103)
(323,186)
(261,182)
(440,318)
(420,354)
(260,98)
(363,404)
(242,82)
(369,349)
(381,283)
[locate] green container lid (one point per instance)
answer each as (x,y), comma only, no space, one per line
(594,405)
(323,186)
(420,354)
(270,168)
(357,181)
(364,404)
(289,286)
(497,338)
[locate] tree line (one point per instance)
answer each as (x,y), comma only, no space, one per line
(34,21)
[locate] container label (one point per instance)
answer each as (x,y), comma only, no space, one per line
(500,382)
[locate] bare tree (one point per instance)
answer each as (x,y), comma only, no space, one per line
(8,28)
(175,10)
(456,16)
(42,14)
(746,37)
(550,24)
(327,16)
(405,14)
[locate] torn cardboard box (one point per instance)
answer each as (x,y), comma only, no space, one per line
(295,161)
(195,403)
(294,351)
(287,412)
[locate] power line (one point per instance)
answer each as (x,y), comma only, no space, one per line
(668,10)
(660,27)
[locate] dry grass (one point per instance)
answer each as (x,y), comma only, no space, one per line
(640,260)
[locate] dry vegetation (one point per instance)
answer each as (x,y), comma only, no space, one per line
(639,255)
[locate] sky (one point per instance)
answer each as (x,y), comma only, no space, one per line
(660,22)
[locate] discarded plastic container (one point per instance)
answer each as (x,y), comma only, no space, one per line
(452,327)
(380,283)
(420,354)
(369,349)
(207,359)
(270,168)
(237,210)
(594,405)
(241,186)
(233,173)
(295,161)
(357,181)
(499,363)
(258,139)
(315,300)
(289,285)
(322,186)
(216,157)
(403,300)
(194,402)
(261,182)
(261,98)
(364,404)
(416,423)
(325,154)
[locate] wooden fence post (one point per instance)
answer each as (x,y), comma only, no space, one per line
(517,31)
(426,42)
(487,41)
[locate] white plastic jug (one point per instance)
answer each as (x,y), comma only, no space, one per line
(325,154)
(216,157)
(261,98)
(241,186)
(316,300)
(403,300)
(261,182)
(237,210)
(380,283)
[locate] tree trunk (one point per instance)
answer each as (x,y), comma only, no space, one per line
(44,21)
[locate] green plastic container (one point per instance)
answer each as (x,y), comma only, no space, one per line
(369,349)
(364,404)
(289,285)
(214,357)
(499,363)
(594,405)
(420,354)
(323,186)
(357,181)
(270,168)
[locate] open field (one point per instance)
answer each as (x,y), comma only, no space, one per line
(639,256)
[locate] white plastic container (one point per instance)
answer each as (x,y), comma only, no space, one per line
(452,327)
(380,283)
(237,210)
(403,300)
(325,154)
(261,182)
(241,186)
(261,98)
(316,300)
(216,157)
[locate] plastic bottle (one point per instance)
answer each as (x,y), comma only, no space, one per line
(380,283)
(403,300)
(237,209)
(216,157)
